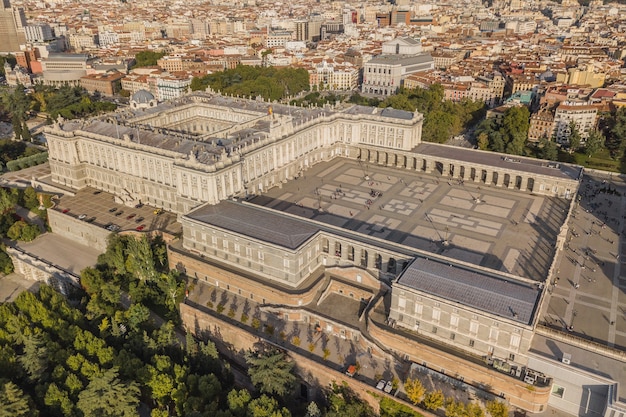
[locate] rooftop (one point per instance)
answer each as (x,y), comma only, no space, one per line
(509,299)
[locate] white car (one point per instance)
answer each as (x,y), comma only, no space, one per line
(82,217)
(381,384)
(388,387)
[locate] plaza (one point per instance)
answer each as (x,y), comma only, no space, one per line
(488,226)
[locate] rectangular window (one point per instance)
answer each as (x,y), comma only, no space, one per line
(454,321)
(511,356)
(436,314)
(401,303)
(434,329)
(286,263)
(452,336)
(558,390)
(418,309)
(493,334)
(474,328)
(515,341)
(471,343)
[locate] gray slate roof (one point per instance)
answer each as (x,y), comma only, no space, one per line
(509,299)
(267,226)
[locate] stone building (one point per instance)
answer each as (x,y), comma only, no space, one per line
(195,155)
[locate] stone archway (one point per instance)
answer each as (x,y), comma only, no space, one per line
(439,167)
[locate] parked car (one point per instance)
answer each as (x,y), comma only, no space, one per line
(139,219)
(158,211)
(65,210)
(140,228)
(113,210)
(119,213)
(82,216)
(388,387)
(139,205)
(130,216)
(381,384)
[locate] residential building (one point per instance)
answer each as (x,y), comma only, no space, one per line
(581,114)
(107,84)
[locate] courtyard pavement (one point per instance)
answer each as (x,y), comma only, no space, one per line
(494,227)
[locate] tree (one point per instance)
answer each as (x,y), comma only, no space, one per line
(454,408)
(594,142)
(574,137)
(238,402)
(14,403)
(265,406)
(616,138)
(514,129)
(548,150)
(312,410)
(434,400)
(474,410)
(414,390)
(271,371)
(34,360)
(107,396)
(497,409)
(147,58)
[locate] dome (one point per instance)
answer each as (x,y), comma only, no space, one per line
(142,97)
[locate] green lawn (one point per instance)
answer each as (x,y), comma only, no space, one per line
(600,160)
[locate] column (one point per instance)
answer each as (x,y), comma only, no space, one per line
(512,181)
(478,174)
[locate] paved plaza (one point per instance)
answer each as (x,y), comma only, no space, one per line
(494,227)
(586,297)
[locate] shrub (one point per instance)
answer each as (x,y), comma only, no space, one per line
(256,323)
(244,318)
(295,341)
(220,308)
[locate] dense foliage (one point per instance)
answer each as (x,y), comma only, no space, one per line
(506,135)
(147,58)
(443,119)
(4,59)
(271,83)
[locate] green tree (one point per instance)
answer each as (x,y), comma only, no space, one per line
(7,58)
(107,396)
(594,142)
(548,150)
(414,390)
(271,371)
(312,410)
(147,58)
(34,359)
(14,403)
(616,138)
(574,137)
(17,104)
(434,400)
(59,400)
(6,264)
(265,406)
(497,409)
(238,402)
(514,129)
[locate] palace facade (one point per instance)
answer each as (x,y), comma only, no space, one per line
(204,156)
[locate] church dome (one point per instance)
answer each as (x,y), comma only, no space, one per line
(142,97)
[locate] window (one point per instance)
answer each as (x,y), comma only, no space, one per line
(454,321)
(474,327)
(436,314)
(401,303)
(515,341)
(512,357)
(452,336)
(558,390)
(418,308)
(493,334)
(471,343)
(434,329)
